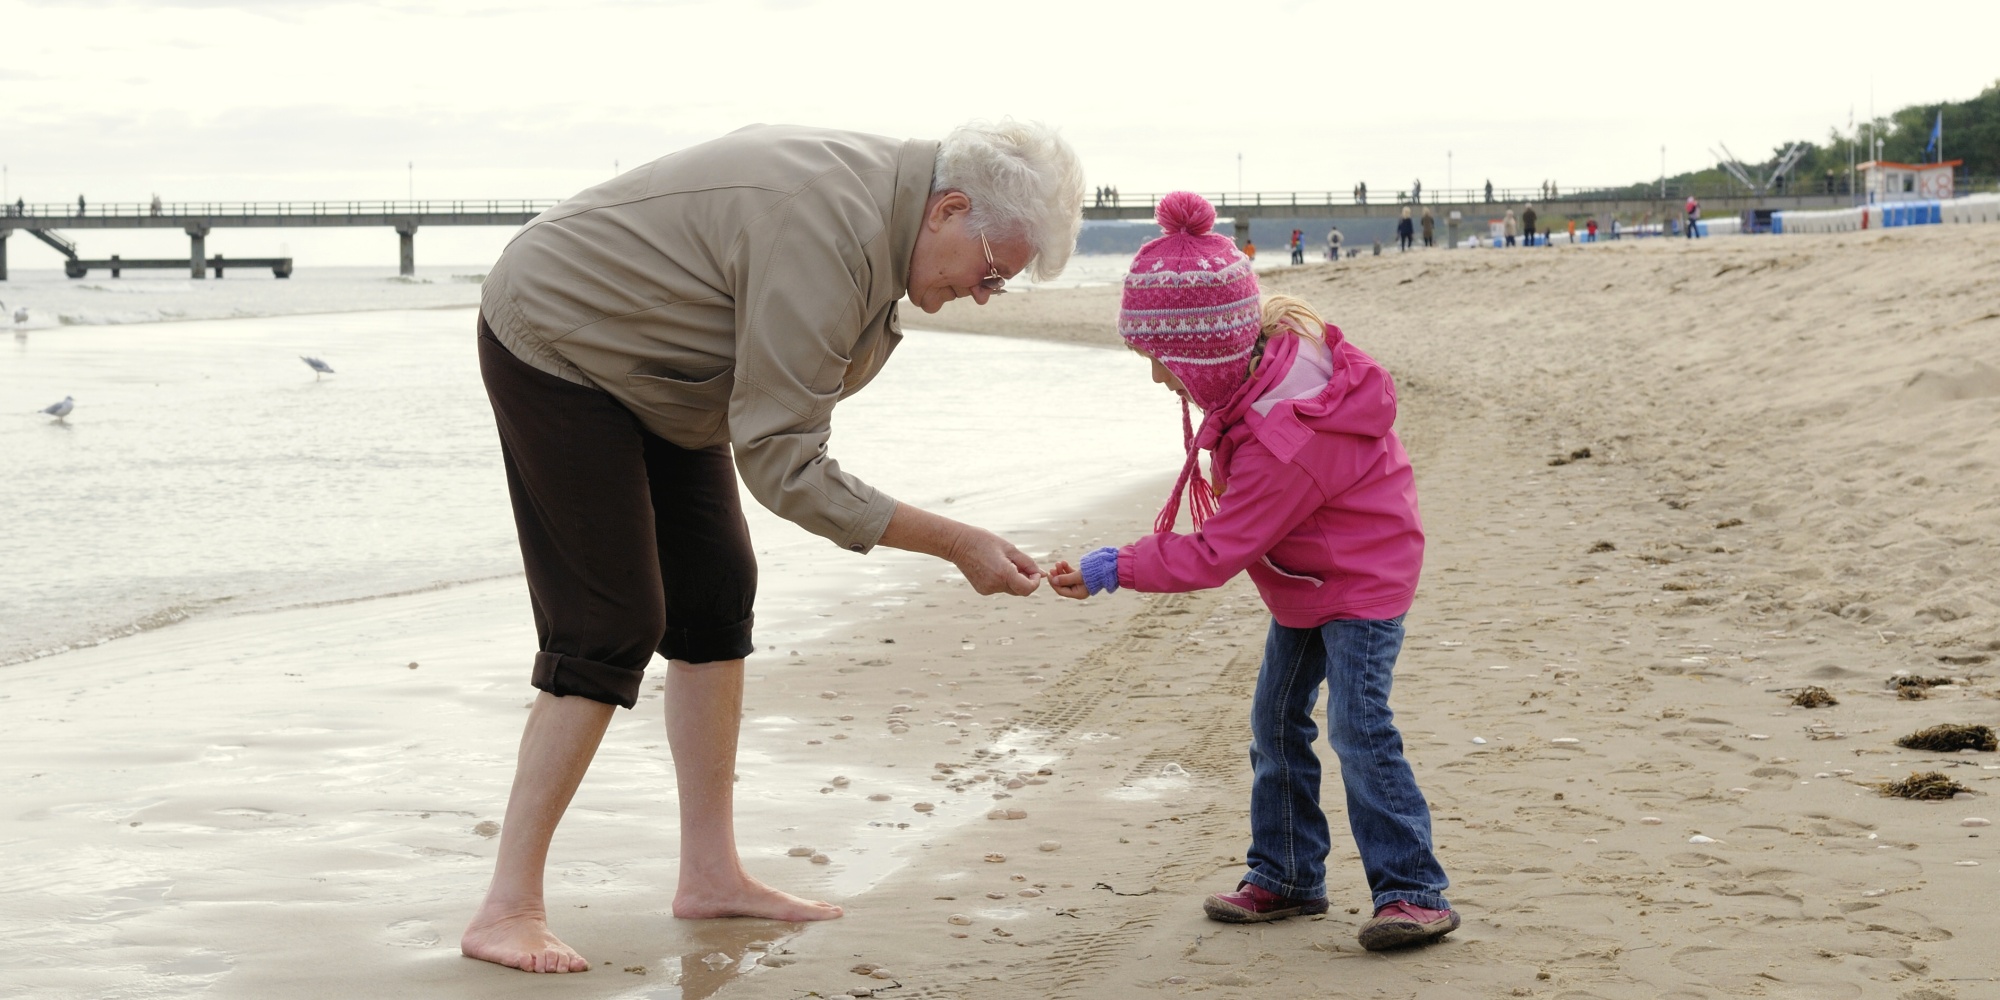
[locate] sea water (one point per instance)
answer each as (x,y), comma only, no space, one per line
(207,470)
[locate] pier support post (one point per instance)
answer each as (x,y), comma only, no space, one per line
(406,233)
(197,250)
(1242,230)
(4,233)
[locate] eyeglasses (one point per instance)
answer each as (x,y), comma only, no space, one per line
(995,283)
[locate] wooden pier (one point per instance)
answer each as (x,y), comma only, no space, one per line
(48,223)
(1472,207)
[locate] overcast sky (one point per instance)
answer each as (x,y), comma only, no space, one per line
(304,99)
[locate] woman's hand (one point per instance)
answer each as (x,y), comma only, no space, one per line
(990,564)
(1067,580)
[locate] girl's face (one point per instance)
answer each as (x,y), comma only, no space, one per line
(1161,376)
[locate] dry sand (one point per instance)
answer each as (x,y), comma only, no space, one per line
(1791,481)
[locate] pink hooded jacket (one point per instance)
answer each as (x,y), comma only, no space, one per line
(1319,501)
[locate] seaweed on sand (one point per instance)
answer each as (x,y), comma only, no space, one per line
(1950,738)
(1923,785)
(1814,697)
(1913,680)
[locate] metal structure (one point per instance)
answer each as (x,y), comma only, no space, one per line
(198,219)
(1471,203)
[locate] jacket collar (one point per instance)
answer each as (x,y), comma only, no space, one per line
(916,164)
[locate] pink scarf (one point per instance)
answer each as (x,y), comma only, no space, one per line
(1278,356)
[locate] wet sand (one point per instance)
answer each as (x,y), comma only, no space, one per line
(1789,482)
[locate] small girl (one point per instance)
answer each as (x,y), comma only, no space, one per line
(1314,496)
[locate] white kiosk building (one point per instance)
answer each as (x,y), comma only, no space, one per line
(1888,182)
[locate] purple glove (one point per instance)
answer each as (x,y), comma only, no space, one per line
(1100,570)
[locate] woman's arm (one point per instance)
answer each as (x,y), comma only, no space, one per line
(989,563)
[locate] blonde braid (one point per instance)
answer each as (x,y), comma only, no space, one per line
(1286,314)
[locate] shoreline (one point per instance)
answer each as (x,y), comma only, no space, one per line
(1785,487)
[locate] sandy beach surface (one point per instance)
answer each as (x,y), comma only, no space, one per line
(1667,487)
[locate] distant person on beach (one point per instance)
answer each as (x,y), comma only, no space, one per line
(1511,227)
(1333,240)
(649,340)
(1298,246)
(1315,498)
(1528,225)
(1693,213)
(1405,231)
(1429,225)
(1250,249)
(1590,230)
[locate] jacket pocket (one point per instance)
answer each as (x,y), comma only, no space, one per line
(1289,575)
(694,411)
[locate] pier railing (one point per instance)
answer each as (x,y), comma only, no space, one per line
(1499,196)
(145,209)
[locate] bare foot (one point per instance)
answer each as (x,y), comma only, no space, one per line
(744,896)
(519,940)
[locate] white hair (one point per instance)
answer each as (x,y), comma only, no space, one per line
(1024,181)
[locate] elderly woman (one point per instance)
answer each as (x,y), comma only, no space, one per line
(648,340)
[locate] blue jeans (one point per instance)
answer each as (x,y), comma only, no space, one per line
(1391,822)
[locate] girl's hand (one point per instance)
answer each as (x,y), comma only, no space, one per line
(1067,580)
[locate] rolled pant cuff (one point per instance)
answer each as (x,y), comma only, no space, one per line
(1269,884)
(708,645)
(562,676)
(1427,900)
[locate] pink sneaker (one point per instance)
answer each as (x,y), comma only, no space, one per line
(1400,924)
(1252,904)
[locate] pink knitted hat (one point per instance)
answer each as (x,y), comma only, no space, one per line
(1191,302)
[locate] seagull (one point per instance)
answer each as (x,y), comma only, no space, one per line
(60,410)
(319,367)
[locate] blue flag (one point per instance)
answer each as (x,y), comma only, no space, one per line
(1937,135)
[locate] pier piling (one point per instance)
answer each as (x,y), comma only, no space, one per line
(406,233)
(197,249)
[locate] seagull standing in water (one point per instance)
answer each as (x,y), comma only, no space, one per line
(60,410)
(319,367)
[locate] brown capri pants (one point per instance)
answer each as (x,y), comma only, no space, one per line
(632,545)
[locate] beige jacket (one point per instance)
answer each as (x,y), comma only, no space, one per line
(732,292)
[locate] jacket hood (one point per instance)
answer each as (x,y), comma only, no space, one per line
(1357,397)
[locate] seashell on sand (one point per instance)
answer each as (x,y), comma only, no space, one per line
(799,852)
(1050,846)
(959,920)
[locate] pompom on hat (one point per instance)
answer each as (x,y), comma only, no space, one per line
(1191,304)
